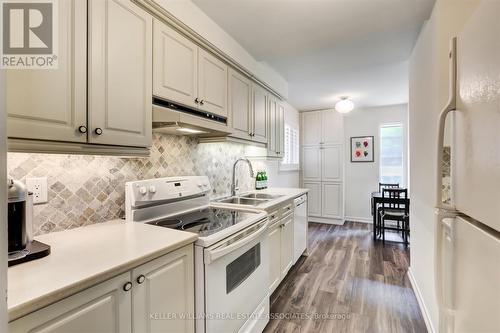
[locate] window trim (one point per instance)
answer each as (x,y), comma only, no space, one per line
(289,167)
(403,150)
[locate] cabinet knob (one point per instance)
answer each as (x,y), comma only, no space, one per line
(202,102)
(196,100)
(140,279)
(127,286)
(98,131)
(82,129)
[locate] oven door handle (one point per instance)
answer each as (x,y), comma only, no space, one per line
(228,246)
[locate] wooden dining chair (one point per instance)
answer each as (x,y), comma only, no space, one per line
(395,211)
(382,186)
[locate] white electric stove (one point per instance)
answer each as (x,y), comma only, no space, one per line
(231,253)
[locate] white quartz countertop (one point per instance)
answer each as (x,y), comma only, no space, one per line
(83,257)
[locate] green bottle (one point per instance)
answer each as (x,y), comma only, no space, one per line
(258,181)
(264,180)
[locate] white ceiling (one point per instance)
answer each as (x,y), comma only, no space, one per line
(329,48)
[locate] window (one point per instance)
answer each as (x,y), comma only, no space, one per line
(391,154)
(291,153)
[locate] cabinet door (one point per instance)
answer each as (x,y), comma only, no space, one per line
(105,307)
(313,198)
(167,287)
(52,104)
(280,129)
(175,66)
(272,139)
(286,245)
(120,76)
(331,197)
(212,84)
(332,127)
(240,96)
(259,101)
(311,128)
(311,163)
(274,256)
(331,162)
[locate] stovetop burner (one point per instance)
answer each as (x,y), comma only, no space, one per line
(206,221)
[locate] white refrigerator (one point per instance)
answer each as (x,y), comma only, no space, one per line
(468,230)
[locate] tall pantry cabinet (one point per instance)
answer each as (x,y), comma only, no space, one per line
(322,140)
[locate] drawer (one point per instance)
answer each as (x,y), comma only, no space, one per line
(274,216)
(287,209)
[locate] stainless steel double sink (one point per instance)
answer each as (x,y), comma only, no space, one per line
(250,199)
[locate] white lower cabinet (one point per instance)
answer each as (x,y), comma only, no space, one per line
(286,244)
(314,198)
(331,200)
(105,307)
(280,248)
(167,288)
(325,200)
(141,300)
(274,256)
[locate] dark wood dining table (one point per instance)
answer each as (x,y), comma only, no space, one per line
(377,200)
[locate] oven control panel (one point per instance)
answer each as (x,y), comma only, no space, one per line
(146,192)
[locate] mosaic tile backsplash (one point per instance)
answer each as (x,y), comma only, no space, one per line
(86,189)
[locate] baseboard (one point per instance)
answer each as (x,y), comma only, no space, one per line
(359,219)
(420,300)
(325,220)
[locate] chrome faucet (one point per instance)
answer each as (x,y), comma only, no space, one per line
(233,184)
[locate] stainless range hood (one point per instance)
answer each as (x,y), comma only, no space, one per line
(176,119)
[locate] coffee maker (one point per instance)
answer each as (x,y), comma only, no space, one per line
(21,245)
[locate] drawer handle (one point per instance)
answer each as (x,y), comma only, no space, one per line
(127,286)
(140,279)
(82,129)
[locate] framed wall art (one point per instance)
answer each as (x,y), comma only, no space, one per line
(362,149)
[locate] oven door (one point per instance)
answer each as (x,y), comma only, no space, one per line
(236,278)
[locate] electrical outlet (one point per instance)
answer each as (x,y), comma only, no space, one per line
(38,186)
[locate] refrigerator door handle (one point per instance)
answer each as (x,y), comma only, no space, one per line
(440,215)
(450,106)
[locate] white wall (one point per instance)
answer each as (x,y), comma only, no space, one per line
(428,94)
(3,210)
(362,178)
(196,19)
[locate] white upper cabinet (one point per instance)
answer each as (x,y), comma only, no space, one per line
(175,66)
(311,128)
(259,104)
(311,163)
(52,104)
(272,115)
(240,103)
(322,127)
(120,87)
(331,160)
(280,129)
(187,74)
(332,129)
(212,84)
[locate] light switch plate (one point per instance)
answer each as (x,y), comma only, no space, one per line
(38,186)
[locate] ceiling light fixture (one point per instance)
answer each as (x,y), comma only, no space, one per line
(345,105)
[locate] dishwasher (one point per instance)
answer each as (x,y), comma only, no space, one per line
(300,227)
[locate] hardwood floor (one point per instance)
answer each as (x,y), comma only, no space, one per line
(347,275)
